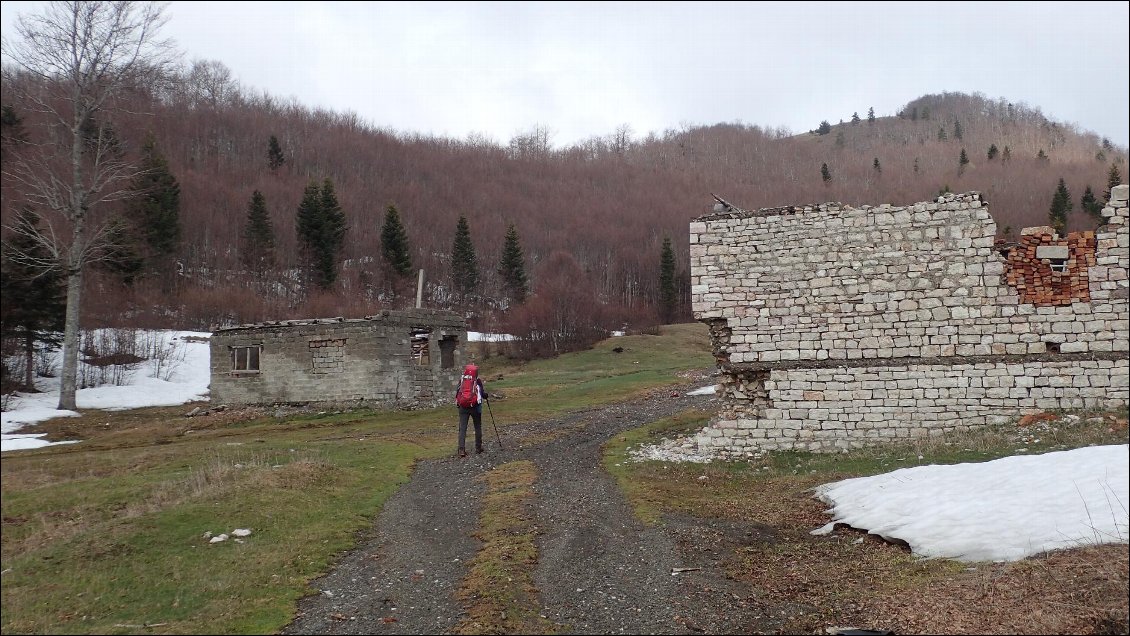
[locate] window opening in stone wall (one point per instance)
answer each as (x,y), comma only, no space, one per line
(245,359)
(421,350)
(1055,255)
(1051,347)
(447,346)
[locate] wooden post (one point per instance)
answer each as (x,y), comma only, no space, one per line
(420,290)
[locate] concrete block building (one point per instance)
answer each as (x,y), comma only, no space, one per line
(409,356)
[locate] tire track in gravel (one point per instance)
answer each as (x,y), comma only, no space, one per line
(600,570)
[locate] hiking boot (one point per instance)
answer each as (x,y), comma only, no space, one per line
(462,453)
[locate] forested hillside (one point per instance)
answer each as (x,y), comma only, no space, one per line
(589,220)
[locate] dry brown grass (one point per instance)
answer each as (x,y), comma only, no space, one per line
(1081,591)
(498,590)
(849,578)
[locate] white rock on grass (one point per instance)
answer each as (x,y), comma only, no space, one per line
(241,532)
(218,538)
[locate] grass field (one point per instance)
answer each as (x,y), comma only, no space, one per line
(107,536)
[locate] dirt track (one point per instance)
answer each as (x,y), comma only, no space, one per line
(599,571)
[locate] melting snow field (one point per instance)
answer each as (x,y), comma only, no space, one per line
(1002,510)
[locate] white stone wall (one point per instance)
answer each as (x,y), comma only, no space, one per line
(830,409)
(833,295)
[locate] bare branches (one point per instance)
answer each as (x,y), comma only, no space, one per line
(83,54)
(78,58)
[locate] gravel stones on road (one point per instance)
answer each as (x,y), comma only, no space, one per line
(599,571)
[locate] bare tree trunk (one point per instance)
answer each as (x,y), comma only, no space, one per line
(69,374)
(29,352)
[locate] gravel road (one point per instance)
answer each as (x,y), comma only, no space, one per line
(599,571)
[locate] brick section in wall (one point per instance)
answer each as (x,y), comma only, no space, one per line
(1047,270)
(327,356)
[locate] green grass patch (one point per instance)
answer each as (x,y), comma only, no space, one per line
(600,374)
(648,502)
(107,536)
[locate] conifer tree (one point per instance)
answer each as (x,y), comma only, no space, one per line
(275,158)
(916,168)
(394,246)
(334,229)
(512,268)
(668,294)
(1113,179)
(309,224)
(258,253)
(464,266)
(1061,206)
(876,167)
(32,293)
(122,251)
(11,130)
(855,118)
(957,132)
(942,133)
(993,152)
(824,128)
(155,208)
(962,161)
(1091,205)
(321,233)
(871,115)
(1042,156)
(825,173)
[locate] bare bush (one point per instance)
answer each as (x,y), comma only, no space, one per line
(111,357)
(164,354)
(46,361)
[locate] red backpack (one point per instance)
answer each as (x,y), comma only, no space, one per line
(468,395)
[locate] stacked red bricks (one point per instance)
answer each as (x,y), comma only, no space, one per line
(1038,282)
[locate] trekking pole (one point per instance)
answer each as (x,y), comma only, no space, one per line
(496,435)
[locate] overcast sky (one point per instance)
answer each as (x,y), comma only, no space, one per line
(582,69)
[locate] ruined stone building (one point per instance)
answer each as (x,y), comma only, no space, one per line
(836,327)
(410,356)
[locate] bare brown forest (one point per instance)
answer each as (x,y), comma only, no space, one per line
(591,217)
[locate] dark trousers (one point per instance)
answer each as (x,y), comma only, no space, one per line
(475,414)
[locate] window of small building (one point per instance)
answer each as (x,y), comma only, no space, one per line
(447,346)
(245,359)
(421,346)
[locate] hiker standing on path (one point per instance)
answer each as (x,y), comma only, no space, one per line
(469,397)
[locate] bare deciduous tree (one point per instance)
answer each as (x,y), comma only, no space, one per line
(70,65)
(534,143)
